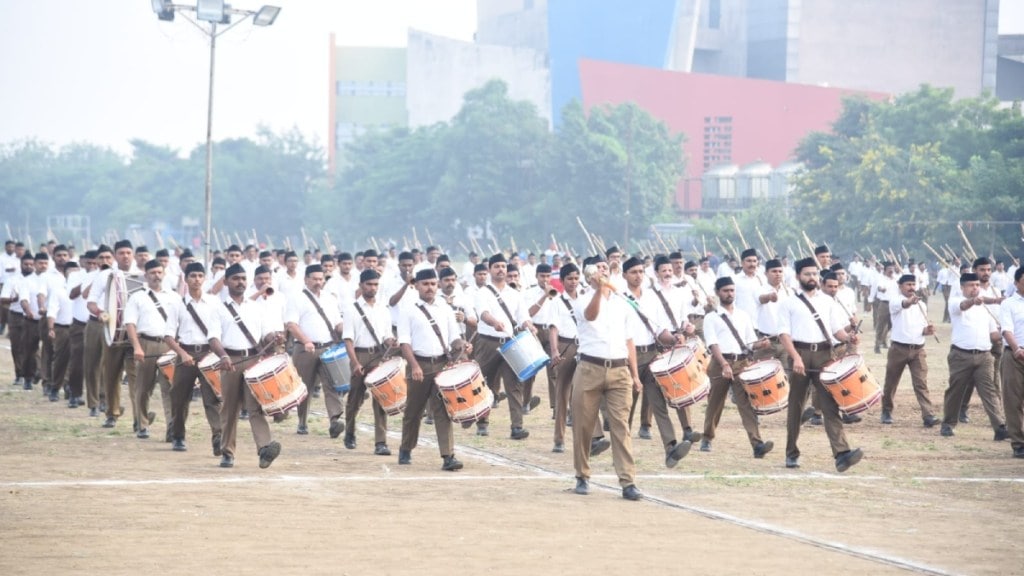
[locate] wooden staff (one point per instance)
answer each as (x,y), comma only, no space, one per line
(600,244)
(725,253)
(704,245)
(810,246)
(416,239)
(967,243)
(739,232)
(270,243)
(593,248)
(512,242)
(732,248)
(288,243)
(255,239)
(906,254)
(555,242)
(305,239)
(327,242)
(696,252)
(924,312)
(768,252)
(463,246)
(9,235)
(1010,254)
(430,238)
(536,248)
(159,239)
(239,239)
(661,241)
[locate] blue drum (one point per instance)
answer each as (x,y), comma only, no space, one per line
(336,368)
(524,355)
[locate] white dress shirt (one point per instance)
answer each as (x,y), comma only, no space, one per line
(971,327)
(679,302)
(14,288)
(796,320)
(58,305)
(716,331)
(98,291)
(415,330)
(1012,318)
(605,337)
(37,286)
(302,311)
(144,314)
(355,328)
(80,280)
(545,314)
(907,323)
(768,312)
(651,307)
(181,324)
(253,316)
(748,288)
(487,302)
(10,266)
(565,316)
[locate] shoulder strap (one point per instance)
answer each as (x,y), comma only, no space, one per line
(241,325)
(668,309)
(320,310)
(366,321)
(195,316)
(735,333)
(503,307)
(635,305)
(817,318)
(433,324)
(159,306)
(568,305)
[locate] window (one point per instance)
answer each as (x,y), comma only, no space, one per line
(714,14)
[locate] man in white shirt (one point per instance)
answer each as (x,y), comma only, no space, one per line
(289,281)
(367,335)
(970,357)
(606,374)
(344,282)
(1012,366)
(883,290)
(116,358)
(808,341)
(749,283)
(562,341)
(541,307)
(468,269)
(33,304)
(11,295)
(313,318)
(910,326)
(10,263)
(246,330)
(59,317)
(428,335)
(145,321)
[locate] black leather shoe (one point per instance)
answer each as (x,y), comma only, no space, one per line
(931,421)
(227,461)
(93,412)
(806,415)
(467,424)
(1001,434)
(302,430)
(631,492)
(964,418)
(851,418)
(73,402)
(142,434)
(215,442)
(677,453)
(429,420)
(520,434)
(404,457)
(243,414)
(792,462)
(110,422)
(1018,452)
(350,442)
(534,402)
(54,395)
(692,437)
(599,445)
(269,453)
(381,449)
(179,445)
(337,427)
(278,418)
(763,448)
(816,420)
(559,448)
(946,431)
(481,430)
(582,486)
(887,417)
(847,459)
(645,433)
(451,464)
(705,445)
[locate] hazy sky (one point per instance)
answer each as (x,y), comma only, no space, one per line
(107,70)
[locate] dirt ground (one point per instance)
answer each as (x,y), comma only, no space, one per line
(80,499)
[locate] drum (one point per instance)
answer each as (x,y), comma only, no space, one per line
(700,352)
(388,386)
(681,377)
(851,384)
(166,363)
(119,288)
(466,396)
(209,367)
(524,355)
(275,384)
(767,386)
(336,368)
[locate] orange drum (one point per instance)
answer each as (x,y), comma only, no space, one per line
(851,384)
(681,377)
(767,386)
(275,384)
(209,366)
(166,363)
(388,385)
(466,396)
(700,352)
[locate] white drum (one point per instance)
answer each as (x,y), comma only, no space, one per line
(525,355)
(465,393)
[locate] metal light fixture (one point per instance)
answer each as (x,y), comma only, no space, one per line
(164,10)
(210,10)
(266,15)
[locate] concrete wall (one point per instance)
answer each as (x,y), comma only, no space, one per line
(442,70)
(513,23)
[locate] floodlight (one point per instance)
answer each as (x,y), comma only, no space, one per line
(164,9)
(266,16)
(210,10)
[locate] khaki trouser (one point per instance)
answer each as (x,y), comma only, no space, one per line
(76,345)
(237,395)
(542,335)
(61,355)
(563,387)
(45,353)
(181,395)
(643,363)
(147,374)
(16,333)
(883,322)
(493,366)
(356,395)
(901,356)
(92,357)
(422,395)
(966,369)
(655,399)
(117,359)
(716,401)
(1013,397)
(29,348)
(798,386)
(310,370)
(592,384)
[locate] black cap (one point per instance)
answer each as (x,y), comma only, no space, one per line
(234,248)
(70,265)
(689,264)
(513,268)
(567,269)
(261,270)
(371,253)
(42,256)
(613,250)
(907,278)
(805,263)
(749,252)
(233,270)
(969,277)
(426,274)
(405,256)
(499,257)
(140,250)
(823,249)
(446,272)
(313,269)
(103,248)
(153,264)
(543,269)
(163,253)
(481,267)
(195,267)
(661,260)
(344,257)
(723,282)
(122,244)
(772,264)
(368,274)
(218,261)
(186,253)
(27,256)
(633,262)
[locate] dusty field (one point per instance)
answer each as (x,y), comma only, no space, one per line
(79,499)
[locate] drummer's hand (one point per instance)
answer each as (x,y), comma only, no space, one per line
(186,359)
(727,371)
(53,334)
(357,368)
(139,354)
(798,366)
(225,364)
(853,339)
(417,373)
(555,359)
(637,385)
(460,317)
(690,329)
(308,347)
(498,326)
(278,338)
(467,349)
(389,343)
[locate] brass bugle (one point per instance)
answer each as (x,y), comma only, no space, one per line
(269,291)
(513,285)
(606,282)
(552,293)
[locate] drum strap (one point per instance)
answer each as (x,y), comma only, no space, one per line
(643,318)
(668,309)
(320,310)
(817,318)
(572,313)
(198,320)
(735,333)
(367,322)
(159,306)
(502,304)
(433,324)
(241,325)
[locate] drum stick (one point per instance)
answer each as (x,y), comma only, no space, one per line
(593,248)
(739,232)
(924,312)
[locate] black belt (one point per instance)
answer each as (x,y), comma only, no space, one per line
(735,357)
(959,349)
(78,323)
(910,346)
(431,359)
(323,344)
(94,319)
(567,340)
(370,350)
(195,348)
(59,325)
(768,336)
(693,317)
(242,353)
(616,363)
(150,338)
(16,313)
(543,326)
(814,347)
(498,339)
(35,320)
(646,349)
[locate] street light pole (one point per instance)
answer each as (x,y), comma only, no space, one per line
(209,148)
